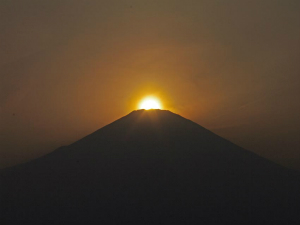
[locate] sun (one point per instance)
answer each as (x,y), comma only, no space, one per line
(150,103)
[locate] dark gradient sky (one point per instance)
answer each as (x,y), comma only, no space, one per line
(68,68)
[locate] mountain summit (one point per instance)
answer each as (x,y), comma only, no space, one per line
(150,167)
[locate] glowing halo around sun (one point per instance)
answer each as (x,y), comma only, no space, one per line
(150,103)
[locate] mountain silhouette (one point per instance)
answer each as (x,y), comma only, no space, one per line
(150,167)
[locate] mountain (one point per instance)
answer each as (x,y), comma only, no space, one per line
(150,167)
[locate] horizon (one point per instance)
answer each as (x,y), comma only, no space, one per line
(142,112)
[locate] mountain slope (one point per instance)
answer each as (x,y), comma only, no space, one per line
(150,167)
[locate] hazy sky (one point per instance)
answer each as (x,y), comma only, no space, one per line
(67,68)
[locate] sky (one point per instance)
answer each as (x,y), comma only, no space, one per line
(70,67)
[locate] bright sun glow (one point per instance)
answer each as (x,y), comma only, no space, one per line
(150,103)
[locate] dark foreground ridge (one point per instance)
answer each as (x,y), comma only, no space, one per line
(150,167)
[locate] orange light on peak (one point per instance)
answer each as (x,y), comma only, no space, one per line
(150,102)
